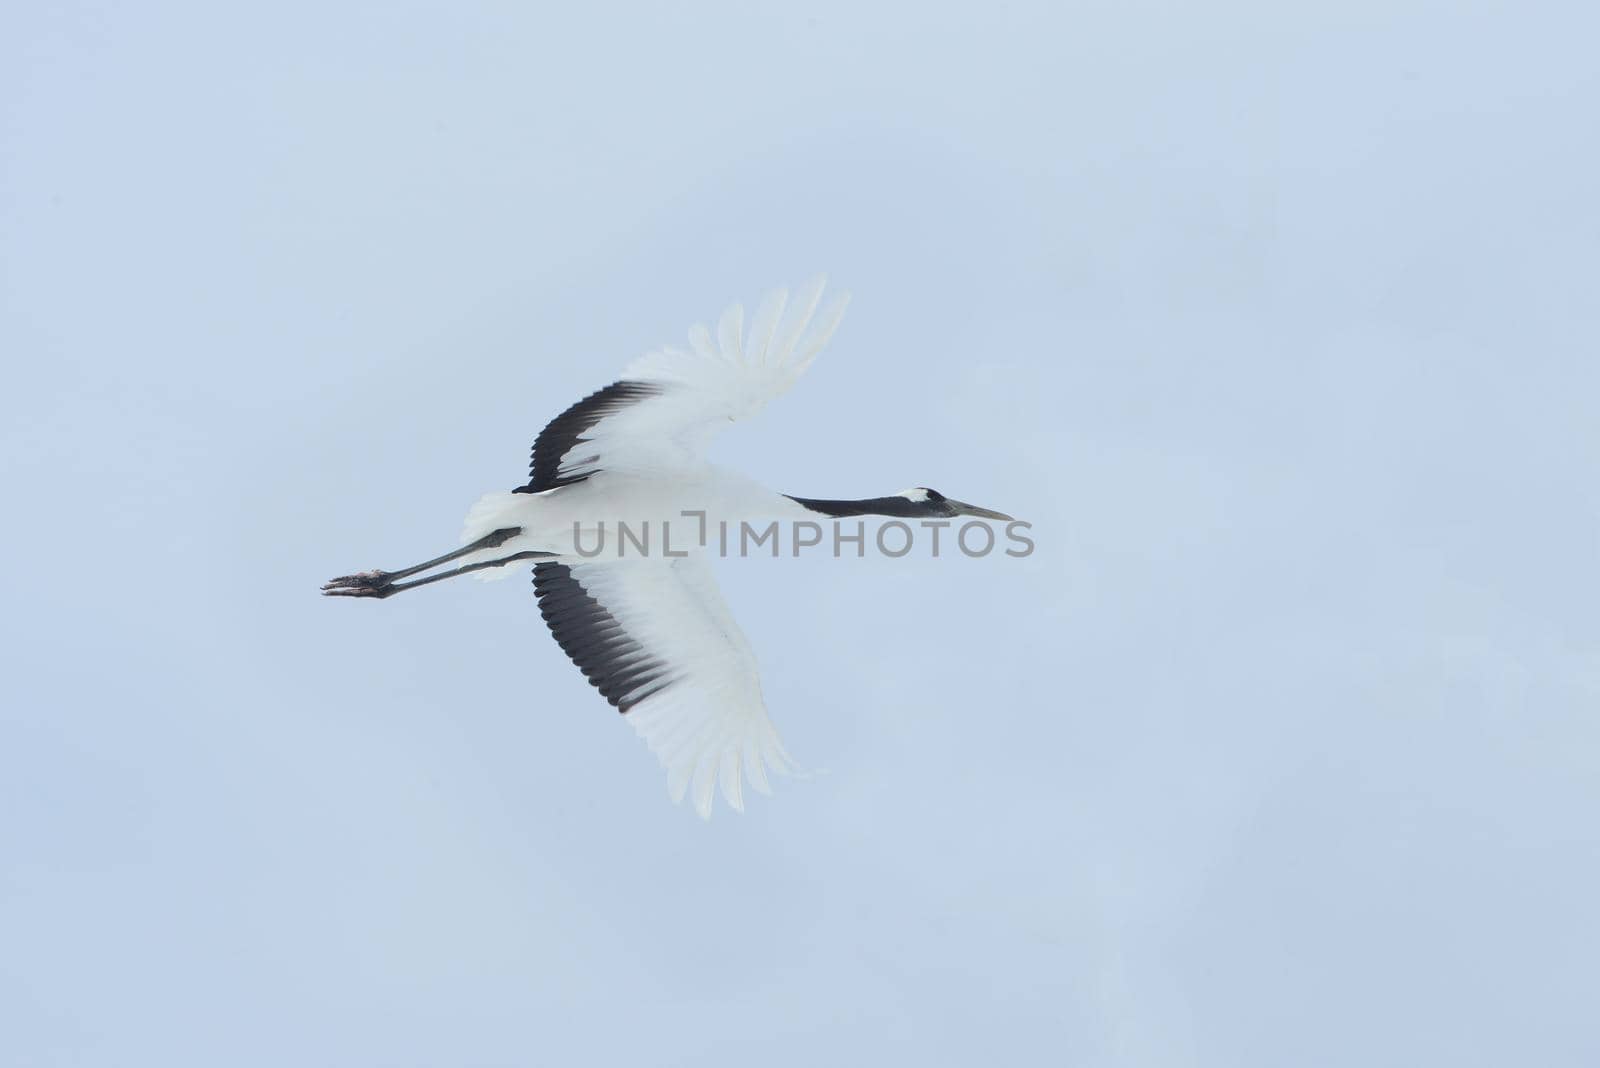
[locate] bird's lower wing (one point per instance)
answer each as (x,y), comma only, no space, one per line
(655,637)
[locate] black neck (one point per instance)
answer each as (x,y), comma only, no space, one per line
(895,506)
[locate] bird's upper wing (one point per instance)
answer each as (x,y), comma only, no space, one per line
(669,403)
(655,637)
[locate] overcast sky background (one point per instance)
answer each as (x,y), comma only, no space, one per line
(1277,322)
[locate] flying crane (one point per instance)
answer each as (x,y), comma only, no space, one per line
(652,632)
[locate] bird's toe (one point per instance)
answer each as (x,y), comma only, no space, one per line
(361,580)
(357,591)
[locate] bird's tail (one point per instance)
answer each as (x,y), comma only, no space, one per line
(495,511)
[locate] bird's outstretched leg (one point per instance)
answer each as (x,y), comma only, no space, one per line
(383,583)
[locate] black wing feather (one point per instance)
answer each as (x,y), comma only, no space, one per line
(620,668)
(569,428)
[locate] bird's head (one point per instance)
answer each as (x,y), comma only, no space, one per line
(931,502)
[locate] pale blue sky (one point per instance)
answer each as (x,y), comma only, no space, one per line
(1277,321)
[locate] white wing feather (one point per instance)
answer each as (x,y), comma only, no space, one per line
(709,728)
(720,378)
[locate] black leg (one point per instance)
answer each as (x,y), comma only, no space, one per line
(373,580)
(387,588)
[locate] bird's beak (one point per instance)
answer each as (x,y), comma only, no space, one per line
(963,508)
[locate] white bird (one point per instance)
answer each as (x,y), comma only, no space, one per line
(649,629)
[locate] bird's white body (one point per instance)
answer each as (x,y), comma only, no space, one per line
(572,521)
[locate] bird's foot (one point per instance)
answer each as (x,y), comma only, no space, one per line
(361,584)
